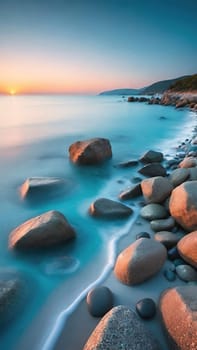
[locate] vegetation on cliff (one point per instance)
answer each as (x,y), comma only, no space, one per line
(185,84)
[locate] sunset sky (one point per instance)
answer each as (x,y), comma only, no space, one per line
(88,46)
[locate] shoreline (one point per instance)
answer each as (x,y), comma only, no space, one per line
(81,320)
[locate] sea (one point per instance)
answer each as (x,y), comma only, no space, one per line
(35,135)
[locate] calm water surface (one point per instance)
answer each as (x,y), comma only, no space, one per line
(35,133)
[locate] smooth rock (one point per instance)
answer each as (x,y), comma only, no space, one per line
(119,329)
(178,307)
(152,157)
(99,301)
(168,239)
(187,248)
(153,169)
(140,261)
(156,189)
(43,231)
(108,208)
(93,151)
(183,205)
(169,275)
(178,176)
(153,211)
(188,162)
(133,192)
(193,174)
(162,224)
(42,186)
(146,308)
(186,273)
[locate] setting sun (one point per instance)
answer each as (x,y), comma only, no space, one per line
(12,92)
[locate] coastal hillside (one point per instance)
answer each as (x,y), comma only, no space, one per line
(185,84)
(122,92)
(155,88)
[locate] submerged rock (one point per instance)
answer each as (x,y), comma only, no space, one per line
(43,231)
(119,329)
(35,187)
(108,208)
(140,261)
(178,307)
(91,151)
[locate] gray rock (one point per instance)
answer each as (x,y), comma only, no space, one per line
(153,169)
(183,205)
(152,157)
(133,192)
(108,208)
(168,239)
(186,273)
(178,176)
(193,174)
(178,307)
(99,301)
(162,224)
(128,164)
(153,211)
(43,231)
(146,308)
(156,189)
(187,248)
(39,187)
(91,151)
(140,261)
(169,275)
(119,329)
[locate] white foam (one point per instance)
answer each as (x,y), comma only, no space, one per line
(59,323)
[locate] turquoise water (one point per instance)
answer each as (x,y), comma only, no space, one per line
(35,133)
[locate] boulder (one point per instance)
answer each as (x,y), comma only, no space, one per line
(108,208)
(183,205)
(133,192)
(156,189)
(153,169)
(178,307)
(43,231)
(91,151)
(35,187)
(119,329)
(153,212)
(140,261)
(99,301)
(187,248)
(162,224)
(152,157)
(168,239)
(178,176)
(188,162)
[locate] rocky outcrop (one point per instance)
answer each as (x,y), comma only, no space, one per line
(99,301)
(187,248)
(108,208)
(119,329)
(152,157)
(181,326)
(91,151)
(183,205)
(43,231)
(156,189)
(140,261)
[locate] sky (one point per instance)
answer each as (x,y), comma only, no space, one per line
(88,46)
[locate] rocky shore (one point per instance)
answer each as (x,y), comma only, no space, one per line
(153,285)
(177,99)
